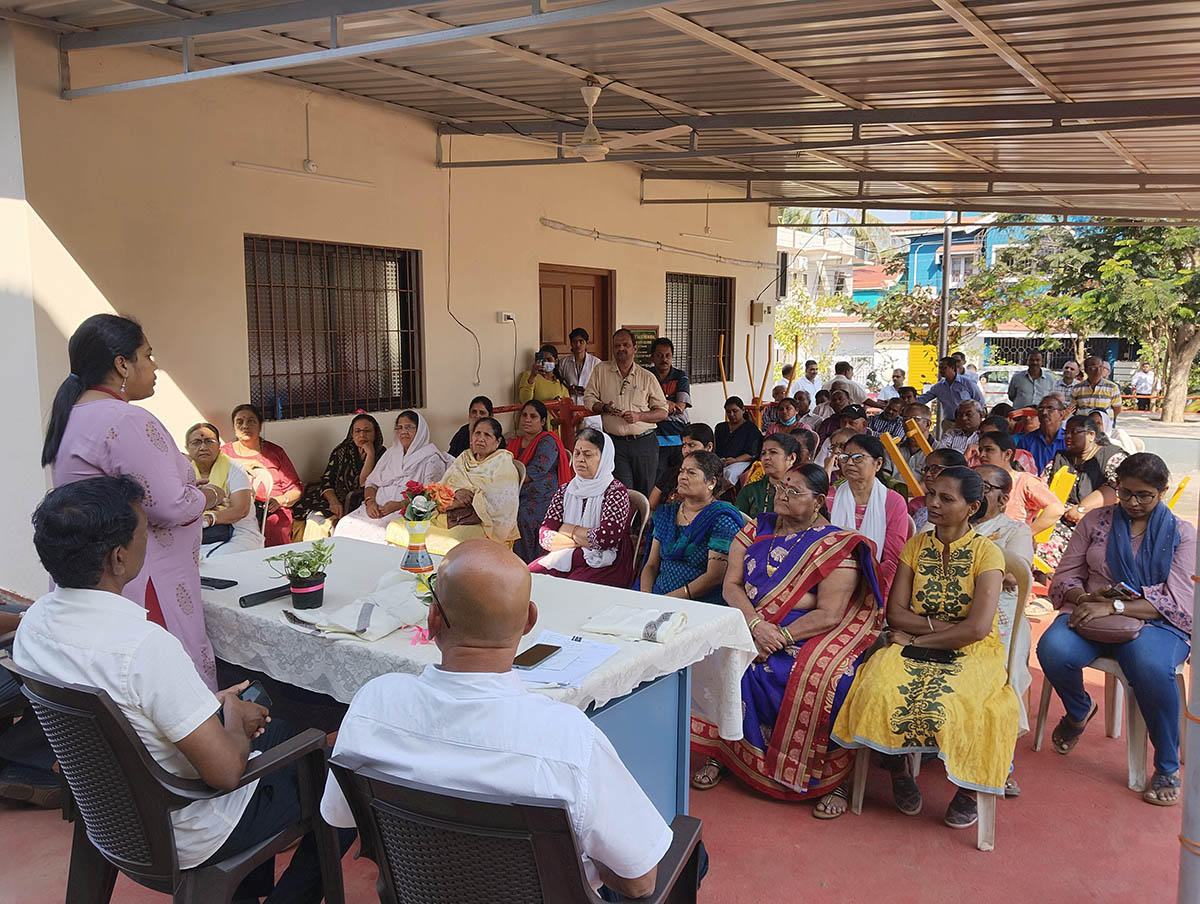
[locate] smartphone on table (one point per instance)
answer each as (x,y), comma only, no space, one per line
(535,655)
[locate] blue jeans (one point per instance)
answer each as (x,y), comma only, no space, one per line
(1148,661)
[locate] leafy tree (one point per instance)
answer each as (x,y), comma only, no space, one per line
(915,312)
(1138,282)
(799,317)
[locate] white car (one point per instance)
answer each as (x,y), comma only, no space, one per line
(994,381)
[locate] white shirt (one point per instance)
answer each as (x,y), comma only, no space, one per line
(854,389)
(812,387)
(102,640)
(888,392)
(483,732)
(1143,382)
(577,376)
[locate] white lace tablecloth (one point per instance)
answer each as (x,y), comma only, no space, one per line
(715,642)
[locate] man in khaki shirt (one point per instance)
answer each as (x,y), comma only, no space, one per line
(630,402)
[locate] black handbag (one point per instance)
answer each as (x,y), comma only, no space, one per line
(217,533)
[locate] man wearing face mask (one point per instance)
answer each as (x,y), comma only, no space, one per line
(541,381)
(678,391)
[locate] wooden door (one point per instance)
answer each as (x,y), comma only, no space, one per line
(573,297)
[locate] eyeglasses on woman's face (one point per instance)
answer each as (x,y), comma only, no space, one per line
(1140,498)
(931,471)
(197,442)
(782,489)
(851,457)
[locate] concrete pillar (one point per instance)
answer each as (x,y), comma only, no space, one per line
(23,406)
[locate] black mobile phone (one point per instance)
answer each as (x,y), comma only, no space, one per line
(256,693)
(535,655)
(1120,591)
(217,583)
(929,654)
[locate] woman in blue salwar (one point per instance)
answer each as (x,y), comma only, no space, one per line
(813,606)
(690,547)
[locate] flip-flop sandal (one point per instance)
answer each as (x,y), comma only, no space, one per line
(840,793)
(906,794)
(963,811)
(1066,734)
(700,784)
(1159,781)
(1011,788)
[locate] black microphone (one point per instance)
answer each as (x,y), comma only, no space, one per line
(264,596)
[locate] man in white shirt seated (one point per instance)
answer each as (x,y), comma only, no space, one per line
(91,538)
(469,724)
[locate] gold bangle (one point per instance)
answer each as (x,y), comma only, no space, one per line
(754,621)
(788,636)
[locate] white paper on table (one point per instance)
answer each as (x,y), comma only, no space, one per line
(579,658)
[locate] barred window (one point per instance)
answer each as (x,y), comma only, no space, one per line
(332,328)
(699,311)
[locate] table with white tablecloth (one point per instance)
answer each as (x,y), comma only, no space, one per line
(642,696)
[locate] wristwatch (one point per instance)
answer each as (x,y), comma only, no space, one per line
(1081,509)
(1118,607)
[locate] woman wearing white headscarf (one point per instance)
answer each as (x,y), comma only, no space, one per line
(412,457)
(862,503)
(587,524)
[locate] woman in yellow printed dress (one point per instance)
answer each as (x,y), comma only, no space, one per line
(941,685)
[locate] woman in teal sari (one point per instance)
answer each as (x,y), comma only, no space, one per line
(690,547)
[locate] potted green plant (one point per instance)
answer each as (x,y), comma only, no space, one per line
(305,571)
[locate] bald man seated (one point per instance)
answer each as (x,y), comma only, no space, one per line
(469,724)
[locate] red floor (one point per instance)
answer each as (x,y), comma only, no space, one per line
(1076,834)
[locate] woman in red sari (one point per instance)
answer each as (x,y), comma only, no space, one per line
(547,467)
(253,452)
(810,598)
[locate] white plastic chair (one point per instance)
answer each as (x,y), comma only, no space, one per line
(641,509)
(1114,703)
(260,478)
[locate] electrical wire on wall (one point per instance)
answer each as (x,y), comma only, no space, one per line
(449,270)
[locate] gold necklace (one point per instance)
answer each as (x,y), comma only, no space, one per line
(771,569)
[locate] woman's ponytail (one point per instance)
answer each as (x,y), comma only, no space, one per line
(92,349)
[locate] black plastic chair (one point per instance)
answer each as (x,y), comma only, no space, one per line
(124,800)
(434,846)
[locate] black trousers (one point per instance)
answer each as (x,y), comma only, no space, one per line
(275,805)
(636,461)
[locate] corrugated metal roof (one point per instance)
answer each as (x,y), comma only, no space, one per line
(746,57)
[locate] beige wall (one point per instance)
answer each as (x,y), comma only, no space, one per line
(136,208)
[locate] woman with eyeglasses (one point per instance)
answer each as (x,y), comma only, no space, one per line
(808,592)
(690,546)
(231,526)
(254,453)
(1094,467)
(863,503)
(413,456)
(1030,501)
(340,489)
(941,686)
(936,462)
(780,453)
(1133,559)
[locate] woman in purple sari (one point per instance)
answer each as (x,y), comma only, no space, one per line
(813,607)
(94,431)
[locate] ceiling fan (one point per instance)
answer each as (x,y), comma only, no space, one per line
(592,147)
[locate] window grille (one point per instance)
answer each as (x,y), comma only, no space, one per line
(699,310)
(332,328)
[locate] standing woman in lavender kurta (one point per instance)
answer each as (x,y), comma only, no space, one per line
(94,430)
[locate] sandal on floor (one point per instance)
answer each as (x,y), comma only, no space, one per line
(838,793)
(1067,734)
(1159,781)
(700,780)
(906,794)
(1011,788)
(963,811)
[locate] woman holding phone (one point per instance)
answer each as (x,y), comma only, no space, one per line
(542,381)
